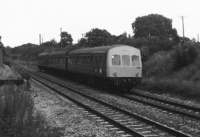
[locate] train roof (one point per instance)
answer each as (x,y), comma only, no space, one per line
(43,54)
(59,53)
(102,49)
(64,52)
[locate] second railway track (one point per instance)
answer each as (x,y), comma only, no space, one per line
(171,106)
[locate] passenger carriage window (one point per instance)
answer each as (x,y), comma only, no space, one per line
(89,58)
(116,60)
(72,59)
(84,60)
(79,60)
(100,60)
(125,60)
(135,60)
(97,61)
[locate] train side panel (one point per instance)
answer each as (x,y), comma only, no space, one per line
(58,60)
(42,61)
(80,63)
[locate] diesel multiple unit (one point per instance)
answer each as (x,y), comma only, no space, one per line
(116,66)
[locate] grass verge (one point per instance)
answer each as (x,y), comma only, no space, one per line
(184,89)
(17,117)
(160,77)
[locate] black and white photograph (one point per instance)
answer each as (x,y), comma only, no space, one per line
(99,68)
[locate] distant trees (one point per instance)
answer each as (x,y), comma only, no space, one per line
(50,43)
(82,42)
(152,33)
(154,25)
(97,37)
(66,39)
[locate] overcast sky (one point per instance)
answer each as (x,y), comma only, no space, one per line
(21,21)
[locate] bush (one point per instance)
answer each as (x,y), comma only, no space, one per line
(16,115)
(181,88)
(184,54)
(144,53)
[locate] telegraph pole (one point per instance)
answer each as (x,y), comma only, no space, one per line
(183,25)
(182,18)
(60,37)
(40,39)
(60,34)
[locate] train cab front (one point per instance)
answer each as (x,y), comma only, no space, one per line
(124,67)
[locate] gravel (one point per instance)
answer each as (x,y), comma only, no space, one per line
(60,112)
(184,124)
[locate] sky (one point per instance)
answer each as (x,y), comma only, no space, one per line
(21,21)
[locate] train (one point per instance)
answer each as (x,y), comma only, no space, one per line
(115,66)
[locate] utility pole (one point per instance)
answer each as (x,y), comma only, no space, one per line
(182,17)
(40,39)
(60,34)
(60,37)
(197,37)
(183,25)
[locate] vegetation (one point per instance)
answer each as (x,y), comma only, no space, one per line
(154,25)
(166,72)
(6,73)
(17,115)
(184,54)
(97,37)
(66,39)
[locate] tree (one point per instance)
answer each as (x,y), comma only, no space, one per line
(121,39)
(66,39)
(53,41)
(184,54)
(97,37)
(82,42)
(154,25)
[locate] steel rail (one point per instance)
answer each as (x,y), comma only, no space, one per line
(159,126)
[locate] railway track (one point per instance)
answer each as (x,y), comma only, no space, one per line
(170,106)
(126,122)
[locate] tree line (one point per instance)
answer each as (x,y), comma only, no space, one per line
(153,25)
(152,33)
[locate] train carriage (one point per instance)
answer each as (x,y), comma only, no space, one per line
(119,65)
(42,60)
(57,60)
(116,66)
